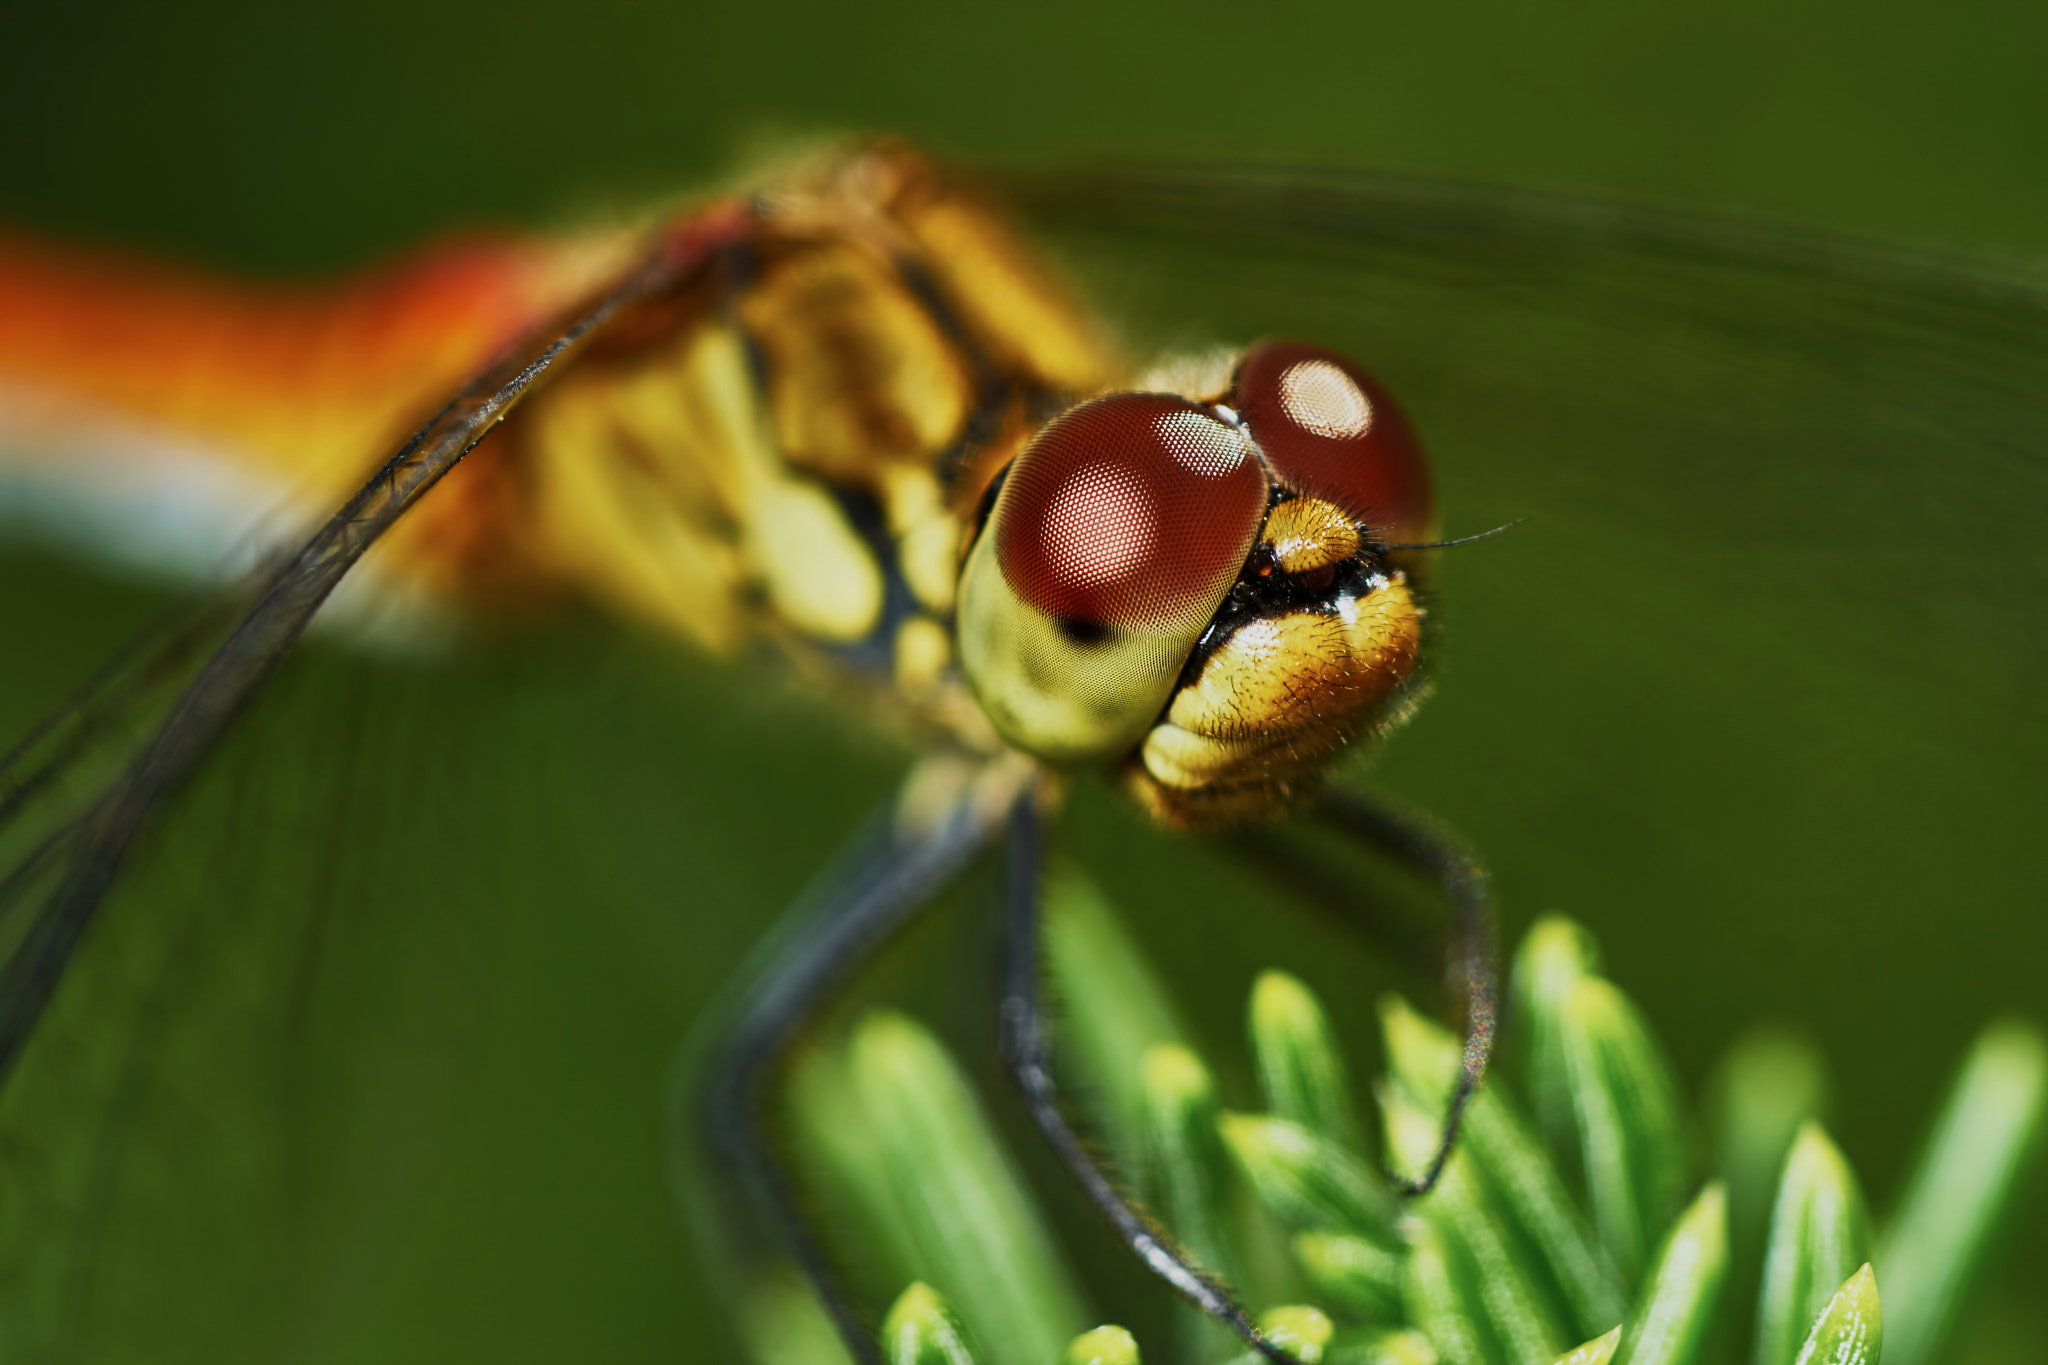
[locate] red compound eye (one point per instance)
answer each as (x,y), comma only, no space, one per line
(1329,430)
(1133,512)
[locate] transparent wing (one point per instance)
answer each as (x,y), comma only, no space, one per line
(76,794)
(370,1039)
(72,756)
(48,898)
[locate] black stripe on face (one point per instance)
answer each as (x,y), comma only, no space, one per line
(1263,589)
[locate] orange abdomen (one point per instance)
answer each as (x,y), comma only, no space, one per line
(300,388)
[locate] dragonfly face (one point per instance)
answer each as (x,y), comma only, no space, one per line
(1201,588)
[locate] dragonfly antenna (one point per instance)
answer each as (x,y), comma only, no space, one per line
(1461,540)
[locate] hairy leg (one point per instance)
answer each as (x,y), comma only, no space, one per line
(1428,848)
(1021,1031)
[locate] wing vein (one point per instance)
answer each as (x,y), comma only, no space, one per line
(101,838)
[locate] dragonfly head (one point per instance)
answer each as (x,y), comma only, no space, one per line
(1200,588)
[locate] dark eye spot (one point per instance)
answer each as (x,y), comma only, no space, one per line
(1081,631)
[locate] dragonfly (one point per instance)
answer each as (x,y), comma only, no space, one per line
(1409,230)
(847,410)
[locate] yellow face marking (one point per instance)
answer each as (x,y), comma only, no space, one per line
(1182,759)
(1305,534)
(1303,669)
(1270,705)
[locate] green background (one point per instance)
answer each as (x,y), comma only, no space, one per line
(369,1060)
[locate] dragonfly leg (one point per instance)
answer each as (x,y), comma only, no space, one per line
(1427,847)
(1021,1031)
(885,891)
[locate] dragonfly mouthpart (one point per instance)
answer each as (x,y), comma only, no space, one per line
(1315,643)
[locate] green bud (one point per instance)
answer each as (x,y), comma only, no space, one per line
(1683,1287)
(1301,1331)
(1511,1283)
(1186,1155)
(1422,1055)
(1307,1181)
(1554,954)
(1850,1329)
(1625,1102)
(1103,1346)
(1424,1058)
(782,1323)
(921,1330)
(847,1174)
(1301,1071)
(1935,1245)
(1598,1351)
(1362,1278)
(1819,1234)
(1377,1346)
(1768,1085)
(1441,1296)
(1189,1180)
(977,1233)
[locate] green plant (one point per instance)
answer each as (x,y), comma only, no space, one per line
(1580,1220)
